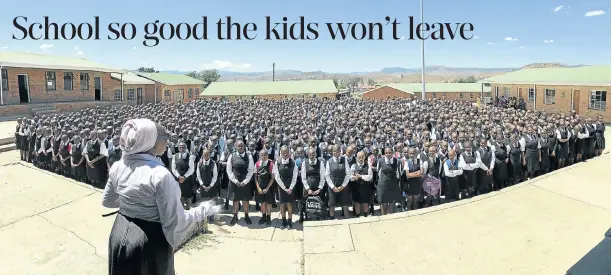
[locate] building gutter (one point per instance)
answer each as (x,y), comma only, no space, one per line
(1,88)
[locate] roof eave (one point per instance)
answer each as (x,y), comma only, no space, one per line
(594,84)
(60,67)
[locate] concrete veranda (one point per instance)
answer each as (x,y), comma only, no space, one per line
(51,225)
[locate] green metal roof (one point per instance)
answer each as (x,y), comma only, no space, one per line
(270,88)
(172,79)
(412,88)
(44,61)
(578,76)
(130,78)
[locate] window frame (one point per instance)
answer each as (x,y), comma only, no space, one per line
(48,79)
(190,93)
(84,79)
(595,100)
(131,92)
(460,94)
(549,99)
(181,93)
(70,78)
(531,93)
(120,95)
(4,76)
(167,95)
(506,92)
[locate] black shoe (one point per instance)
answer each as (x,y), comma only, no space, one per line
(290,224)
(365,214)
(211,219)
(247,219)
(234,220)
(268,221)
(262,220)
(284,224)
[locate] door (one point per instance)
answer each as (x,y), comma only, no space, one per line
(24,88)
(139,96)
(520,93)
(576,101)
(98,87)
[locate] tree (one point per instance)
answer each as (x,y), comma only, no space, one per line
(353,83)
(147,70)
(469,79)
(371,82)
(335,82)
(487,84)
(208,76)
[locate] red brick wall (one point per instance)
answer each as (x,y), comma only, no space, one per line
(39,93)
(174,90)
(563,98)
(61,107)
(463,96)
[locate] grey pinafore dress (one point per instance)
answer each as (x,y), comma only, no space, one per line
(206,174)
(337,171)
(285,171)
(388,189)
(531,154)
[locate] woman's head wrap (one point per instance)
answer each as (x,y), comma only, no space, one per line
(138,136)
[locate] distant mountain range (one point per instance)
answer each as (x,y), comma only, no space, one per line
(390,74)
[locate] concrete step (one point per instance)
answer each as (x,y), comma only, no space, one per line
(7,140)
(7,147)
(43,110)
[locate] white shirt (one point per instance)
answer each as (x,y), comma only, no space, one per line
(470,166)
(321,173)
(523,142)
(452,173)
(278,178)
(569,134)
(367,177)
(191,168)
(230,172)
(214,169)
(328,178)
(142,188)
(491,165)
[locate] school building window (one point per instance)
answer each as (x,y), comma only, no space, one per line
(598,100)
(180,94)
(167,95)
(433,95)
(117,95)
(68,79)
(5,80)
(190,93)
(549,96)
(506,92)
(50,81)
(531,95)
(460,95)
(131,94)
(84,81)
(197,92)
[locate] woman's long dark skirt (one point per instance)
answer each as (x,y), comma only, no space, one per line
(138,247)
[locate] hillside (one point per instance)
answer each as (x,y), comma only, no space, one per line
(544,65)
(385,75)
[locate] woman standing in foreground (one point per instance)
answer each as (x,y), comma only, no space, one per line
(151,222)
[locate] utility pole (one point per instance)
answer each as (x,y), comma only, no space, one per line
(273,71)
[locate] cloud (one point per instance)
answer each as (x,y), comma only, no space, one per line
(490,43)
(218,64)
(549,41)
(594,13)
(134,48)
(509,38)
(78,50)
(558,8)
(46,47)
(476,37)
(402,38)
(521,48)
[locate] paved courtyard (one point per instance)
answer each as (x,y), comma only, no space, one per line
(51,225)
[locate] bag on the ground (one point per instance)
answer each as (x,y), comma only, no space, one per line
(314,206)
